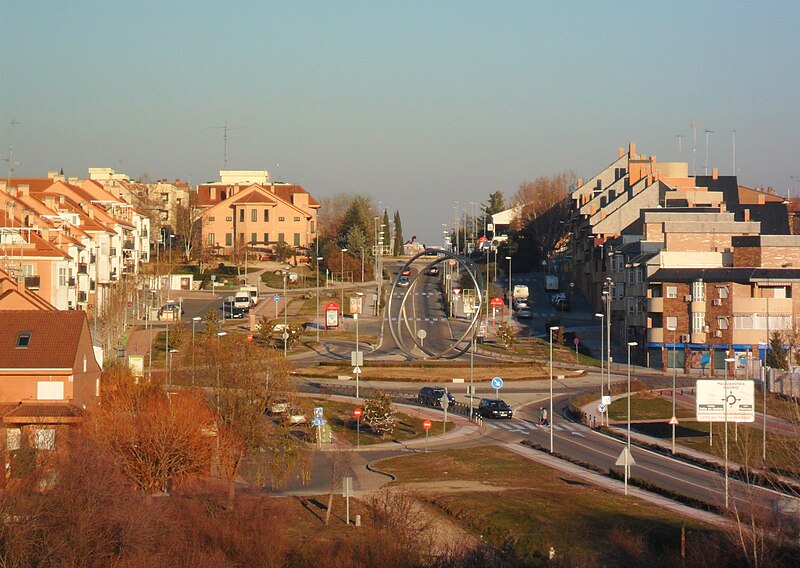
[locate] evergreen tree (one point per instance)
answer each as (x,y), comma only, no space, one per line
(387,232)
(356,216)
(776,356)
(399,249)
(495,204)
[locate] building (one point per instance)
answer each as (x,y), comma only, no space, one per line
(238,213)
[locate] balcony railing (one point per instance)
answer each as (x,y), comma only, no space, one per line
(128,245)
(112,251)
(32,282)
(82,297)
(71,281)
(83,268)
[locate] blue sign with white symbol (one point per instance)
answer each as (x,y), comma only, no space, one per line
(318,421)
(497,383)
(276,298)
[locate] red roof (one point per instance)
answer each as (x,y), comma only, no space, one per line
(53,343)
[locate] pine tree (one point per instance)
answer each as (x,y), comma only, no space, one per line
(387,233)
(776,356)
(399,249)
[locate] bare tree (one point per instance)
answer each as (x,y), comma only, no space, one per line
(188,224)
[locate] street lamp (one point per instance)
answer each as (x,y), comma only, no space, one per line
(219,334)
(510,290)
(355,316)
(765,375)
(628,457)
(316,322)
(550,414)
(194,321)
(169,375)
(285,306)
(602,378)
(728,361)
(341,278)
(674,372)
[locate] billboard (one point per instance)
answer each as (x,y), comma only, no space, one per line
(714,395)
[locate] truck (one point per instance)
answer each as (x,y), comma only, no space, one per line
(252,291)
(520,292)
(551,283)
(242,300)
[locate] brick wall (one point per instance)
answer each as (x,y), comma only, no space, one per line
(746,256)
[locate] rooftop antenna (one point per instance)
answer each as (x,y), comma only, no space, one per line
(680,144)
(225,129)
(707,133)
(10,159)
(734,154)
(794,179)
(693,126)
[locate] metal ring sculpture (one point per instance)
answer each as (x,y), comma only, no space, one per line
(454,351)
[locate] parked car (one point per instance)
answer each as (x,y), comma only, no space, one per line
(296,415)
(524,314)
(521,304)
(494,408)
(432,396)
(170,312)
(555,298)
(278,405)
(403,281)
(230,311)
(562,305)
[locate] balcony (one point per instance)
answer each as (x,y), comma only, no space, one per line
(83,268)
(112,251)
(655,335)
(71,281)
(128,245)
(760,305)
(655,305)
(82,297)
(32,282)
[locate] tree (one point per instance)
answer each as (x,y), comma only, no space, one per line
(399,248)
(188,224)
(379,414)
(283,251)
(494,205)
(387,232)
(506,334)
(776,355)
(357,221)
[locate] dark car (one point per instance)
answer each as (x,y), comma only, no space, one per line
(229,311)
(562,304)
(494,408)
(432,396)
(403,282)
(433,271)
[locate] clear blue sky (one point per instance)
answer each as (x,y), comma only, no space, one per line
(418,104)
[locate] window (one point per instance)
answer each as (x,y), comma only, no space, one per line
(297,239)
(211,219)
(241,215)
(312,226)
(28,270)
(630,304)
(13,439)
(62,276)
(44,439)
(722,323)
(672,291)
(211,238)
(254,215)
(297,219)
(228,239)
(266,215)
(698,322)
(229,219)
(631,277)
(281,238)
(698,291)
(266,238)
(281,218)
(744,321)
(672,322)
(253,236)
(23,339)
(722,291)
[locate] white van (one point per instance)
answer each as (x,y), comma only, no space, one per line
(252,292)
(520,292)
(242,300)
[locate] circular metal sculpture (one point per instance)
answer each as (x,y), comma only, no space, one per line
(400,329)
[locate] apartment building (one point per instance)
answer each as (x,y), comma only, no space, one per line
(239,212)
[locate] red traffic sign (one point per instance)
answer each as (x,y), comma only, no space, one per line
(577,341)
(249,337)
(456,291)
(497,302)
(673,421)
(427,424)
(357,413)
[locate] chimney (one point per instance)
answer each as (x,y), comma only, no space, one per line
(73,181)
(722,207)
(762,199)
(52,174)
(2,186)
(714,173)
(49,201)
(631,150)
(24,190)
(746,214)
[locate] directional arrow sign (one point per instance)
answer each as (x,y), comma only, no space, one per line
(357,370)
(497,383)
(625,458)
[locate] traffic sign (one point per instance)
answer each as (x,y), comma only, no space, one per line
(673,421)
(276,298)
(601,408)
(497,383)
(422,334)
(249,337)
(576,341)
(456,291)
(357,413)
(356,358)
(356,370)
(606,399)
(427,424)
(718,400)
(625,458)
(318,421)
(497,302)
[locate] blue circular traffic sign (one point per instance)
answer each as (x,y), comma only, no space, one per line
(497,383)
(276,298)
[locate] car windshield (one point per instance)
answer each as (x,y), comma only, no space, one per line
(497,404)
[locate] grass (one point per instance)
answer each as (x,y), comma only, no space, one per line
(521,504)
(340,417)
(647,406)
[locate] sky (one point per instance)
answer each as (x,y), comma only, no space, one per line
(417,104)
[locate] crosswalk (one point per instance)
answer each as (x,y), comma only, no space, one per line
(420,319)
(522,427)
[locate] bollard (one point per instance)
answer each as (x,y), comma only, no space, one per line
(358,520)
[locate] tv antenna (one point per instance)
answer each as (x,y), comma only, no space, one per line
(10,159)
(225,130)
(680,143)
(693,126)
(707,133)
(734,154)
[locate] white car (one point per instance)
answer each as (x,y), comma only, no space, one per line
(296,415)
(403,281)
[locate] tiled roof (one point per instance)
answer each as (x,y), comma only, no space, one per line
(53,341)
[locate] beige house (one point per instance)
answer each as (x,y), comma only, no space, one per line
(256,215)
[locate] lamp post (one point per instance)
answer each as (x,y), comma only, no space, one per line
(628,458)
(285,305)
(674,374)
(355,315)
(728,361)
(169,374)
(341,277)
(316,322)
(764,382)
(550,414)
(219,334)
(602,378)
(510,291)
(194,321)
(608,332)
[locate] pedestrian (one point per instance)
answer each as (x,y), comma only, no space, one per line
(544,417)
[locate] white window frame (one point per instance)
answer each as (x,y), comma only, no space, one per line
(698,291)
(722,292)
(672,322)
(722,323)
(671,292)
(698,322)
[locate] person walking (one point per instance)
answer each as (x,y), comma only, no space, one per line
(543,417)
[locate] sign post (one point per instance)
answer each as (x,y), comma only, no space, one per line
(357,414)
(427,425)
(277,299)
(318,423)
(497,384)
(347,491)
(445,402)
(577,342)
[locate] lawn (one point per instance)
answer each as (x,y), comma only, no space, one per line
(512,502)
(648,406)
